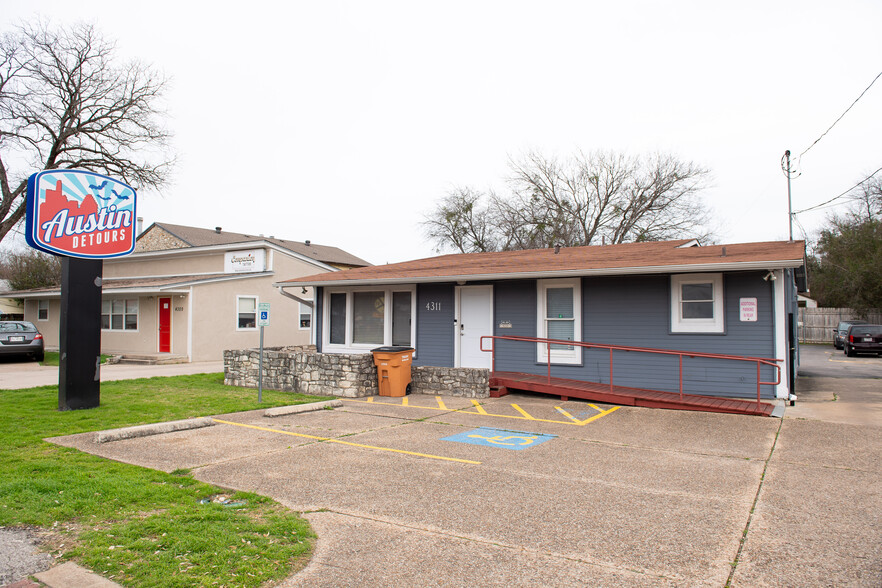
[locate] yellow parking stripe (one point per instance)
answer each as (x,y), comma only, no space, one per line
(479,407)
(329,440)
(527,415)
(566,414)
(405,401)
(479,410)
(597,416)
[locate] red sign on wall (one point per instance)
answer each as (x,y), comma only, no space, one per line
(80,214)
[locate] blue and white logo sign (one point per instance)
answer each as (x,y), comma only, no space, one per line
(489,437)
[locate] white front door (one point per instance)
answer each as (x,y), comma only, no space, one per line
(474,319)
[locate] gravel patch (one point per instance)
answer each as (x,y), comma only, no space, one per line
(20,555)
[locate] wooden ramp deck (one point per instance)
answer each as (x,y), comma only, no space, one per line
(502,382)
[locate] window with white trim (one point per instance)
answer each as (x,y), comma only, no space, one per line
(119,314)
(305,317)
(42,310)
(363,318)
(246,313)
(697,303)
(559,316)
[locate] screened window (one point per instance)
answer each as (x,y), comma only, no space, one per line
(42,310)
(305,317)
(362,318)
(119,314)
(401,320)
(338,319)
(697,303)
(559,317)
(368,317)
(246,314)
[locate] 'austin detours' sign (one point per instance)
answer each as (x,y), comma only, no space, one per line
(80,214)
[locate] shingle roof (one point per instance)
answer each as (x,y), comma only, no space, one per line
(649,257)
(196,237)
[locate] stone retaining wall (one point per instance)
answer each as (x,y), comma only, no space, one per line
(301,369)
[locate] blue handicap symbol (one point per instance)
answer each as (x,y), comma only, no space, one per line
(263,315)
(486,436)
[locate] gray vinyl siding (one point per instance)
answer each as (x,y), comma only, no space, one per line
(435,328)
(635,311)
(514,302)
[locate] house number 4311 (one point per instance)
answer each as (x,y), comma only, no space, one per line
(433,306)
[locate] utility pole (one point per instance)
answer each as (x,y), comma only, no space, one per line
(785,165)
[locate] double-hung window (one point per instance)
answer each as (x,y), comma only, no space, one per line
(42,310)
(559,317)
(697,303)
(360,319)
(305,317)
(246,313)
(119,314)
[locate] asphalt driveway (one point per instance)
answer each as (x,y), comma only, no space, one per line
(528,490)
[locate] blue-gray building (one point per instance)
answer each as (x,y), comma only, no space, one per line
(737,299)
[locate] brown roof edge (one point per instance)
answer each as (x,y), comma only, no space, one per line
(653,257)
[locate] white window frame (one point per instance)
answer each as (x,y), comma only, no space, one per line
(110,328)
(348,346)
(40,307)
(300,314)
(562,356)
(714,325)
(256,307)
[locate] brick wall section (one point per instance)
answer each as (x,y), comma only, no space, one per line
(157,240)
(301,369)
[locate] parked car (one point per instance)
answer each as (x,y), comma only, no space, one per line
(20,338)
(841,330)
(863,339)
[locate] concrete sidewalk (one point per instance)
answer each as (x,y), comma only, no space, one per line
(28,374)
(639,497)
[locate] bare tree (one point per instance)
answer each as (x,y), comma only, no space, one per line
(66,103)
(462,220)
(867,200)
(582,200)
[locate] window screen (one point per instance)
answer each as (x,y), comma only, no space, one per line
(697,301)
(338,319)
(559,315)
(368,317)
(401,318)
(247,313)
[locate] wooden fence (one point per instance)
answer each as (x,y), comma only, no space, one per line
(816,324)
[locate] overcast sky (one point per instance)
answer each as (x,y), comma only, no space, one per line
(345,122)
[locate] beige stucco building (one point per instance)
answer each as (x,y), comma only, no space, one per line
(194,292)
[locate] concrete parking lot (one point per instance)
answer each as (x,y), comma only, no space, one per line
(528,490)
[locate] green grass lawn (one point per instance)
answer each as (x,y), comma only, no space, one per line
(51,358)
(138,526)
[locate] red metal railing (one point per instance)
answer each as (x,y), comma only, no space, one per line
(760,361)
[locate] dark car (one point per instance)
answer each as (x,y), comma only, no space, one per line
(20,338)
(840,331)
(863,339)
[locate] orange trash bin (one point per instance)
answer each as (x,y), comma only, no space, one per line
(393,369)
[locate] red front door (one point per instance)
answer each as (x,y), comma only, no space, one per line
(165,325)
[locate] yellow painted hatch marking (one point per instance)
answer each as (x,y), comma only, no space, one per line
(525,416)
(523,412)
(601,414)
(566,414)
(479,407)
(329,440)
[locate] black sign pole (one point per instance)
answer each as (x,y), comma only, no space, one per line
(79,377)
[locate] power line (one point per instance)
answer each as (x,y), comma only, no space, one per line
(839,196)
(838,119)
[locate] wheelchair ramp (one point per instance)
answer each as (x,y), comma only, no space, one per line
(502,382)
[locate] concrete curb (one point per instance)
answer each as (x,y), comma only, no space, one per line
(153,429)
(298,408)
